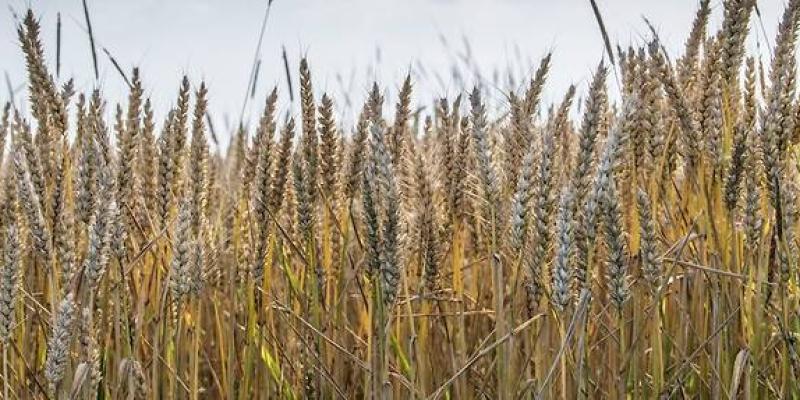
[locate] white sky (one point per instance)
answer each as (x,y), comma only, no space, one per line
(354,40)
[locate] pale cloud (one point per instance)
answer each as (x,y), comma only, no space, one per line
(215,40)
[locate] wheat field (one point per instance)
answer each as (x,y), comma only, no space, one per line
(640,244)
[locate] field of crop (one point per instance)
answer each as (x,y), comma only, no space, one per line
(641,244)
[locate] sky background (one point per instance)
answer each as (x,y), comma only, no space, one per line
(349,43)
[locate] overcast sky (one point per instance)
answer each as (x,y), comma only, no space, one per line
(349,43)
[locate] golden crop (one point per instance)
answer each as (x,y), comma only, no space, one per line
(646,250)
